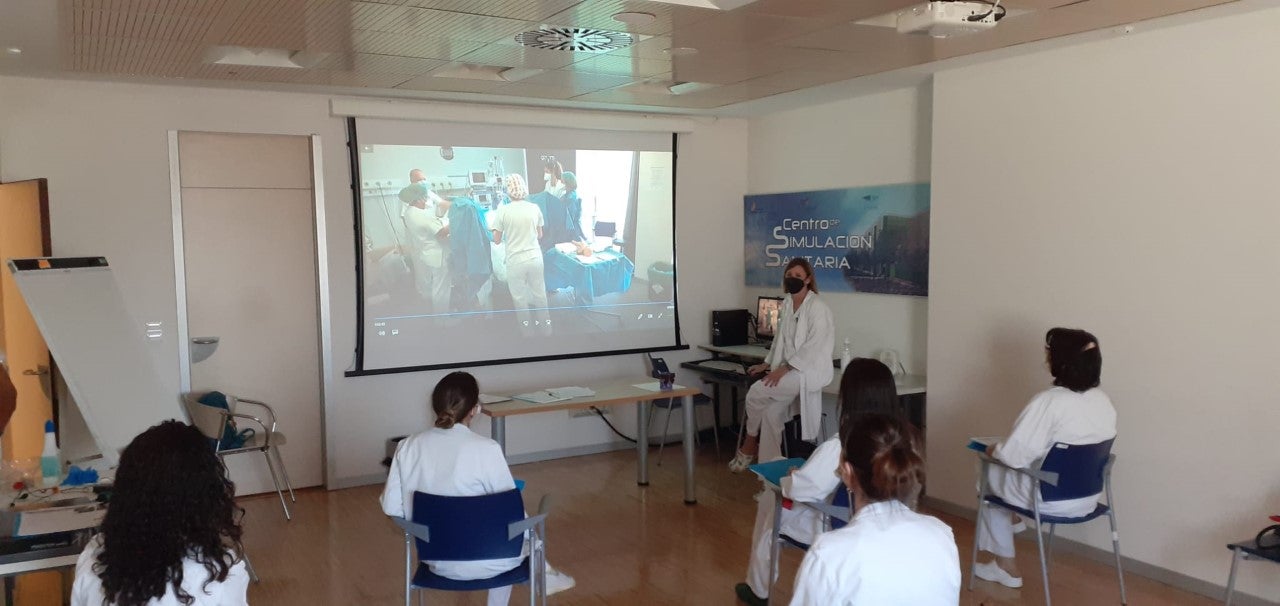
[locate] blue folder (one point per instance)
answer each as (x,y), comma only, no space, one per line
(773,471)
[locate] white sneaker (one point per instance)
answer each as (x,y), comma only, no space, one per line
(740,462)
(558,581)
(990,571)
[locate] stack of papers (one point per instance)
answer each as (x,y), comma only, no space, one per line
(63,519)
(488,399)
(555,394)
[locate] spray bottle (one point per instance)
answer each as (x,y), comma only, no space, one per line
(50,467)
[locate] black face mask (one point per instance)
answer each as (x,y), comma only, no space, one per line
(792,285)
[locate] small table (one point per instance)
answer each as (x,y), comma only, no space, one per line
(612,394)
(1249,550)
(57,555)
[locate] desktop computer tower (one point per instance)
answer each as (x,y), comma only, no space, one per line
(729,327)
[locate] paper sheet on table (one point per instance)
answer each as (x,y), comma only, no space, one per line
(653,386)
(489,399)
(571,391)
(47,521)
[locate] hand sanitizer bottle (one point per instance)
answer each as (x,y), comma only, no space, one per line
(50,467)
(846,356)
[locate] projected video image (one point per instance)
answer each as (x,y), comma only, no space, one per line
(493,251)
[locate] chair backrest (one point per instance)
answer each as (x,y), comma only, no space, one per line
(208,419)
(840,498)
(468,528)
(1081,470)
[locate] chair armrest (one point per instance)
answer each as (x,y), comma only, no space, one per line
(417,531)
(1048,477)
(266,432)
(271,413)
(516,529)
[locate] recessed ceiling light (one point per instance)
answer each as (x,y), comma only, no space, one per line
(13,50)
(635,18)
(680,51)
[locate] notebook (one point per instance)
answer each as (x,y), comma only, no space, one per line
(981,444)
(773,471)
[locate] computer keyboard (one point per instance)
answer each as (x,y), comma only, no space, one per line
(724,365)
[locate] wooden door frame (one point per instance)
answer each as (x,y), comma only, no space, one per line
(46,250)
(320,238)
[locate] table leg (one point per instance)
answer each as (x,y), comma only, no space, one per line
(690,428)
(498,431)
(642,443)
(1231,580)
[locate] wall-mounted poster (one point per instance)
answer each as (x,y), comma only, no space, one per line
(863,239)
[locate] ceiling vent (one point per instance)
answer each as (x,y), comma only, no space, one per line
(575,39)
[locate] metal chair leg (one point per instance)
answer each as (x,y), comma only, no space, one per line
(253,574)
(977,531)
(408,569)
(284,473)
(1049,546)
(1231,580)
(276,480)
(715,434)
(1115,547)
(1044,563)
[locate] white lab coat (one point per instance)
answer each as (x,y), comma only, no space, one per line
(887,556)
(806,339)
(813,481)
(452,462)
(1054,415)
(86,590)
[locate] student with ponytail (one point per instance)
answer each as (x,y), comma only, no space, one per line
(449,460)
(888,554)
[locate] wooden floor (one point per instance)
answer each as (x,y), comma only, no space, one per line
(622,543)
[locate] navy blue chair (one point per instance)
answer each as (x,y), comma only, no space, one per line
(486,527)
(836,512)
(1067,472)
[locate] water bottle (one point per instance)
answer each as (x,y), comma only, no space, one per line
(846,356)
(50,467)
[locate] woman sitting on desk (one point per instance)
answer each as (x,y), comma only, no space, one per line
(172,533)
(799,364)
(888,554)
(866,387)
(1074,411)
(449,460)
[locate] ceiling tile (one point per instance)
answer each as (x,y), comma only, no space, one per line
(728,67)
(519,56)
(524,10)
(829,10)
(623,66)
(457,26)
(743,30)
(581,82)
(379,64)
(431,47)
(599,14)
(651,47)
(457,85)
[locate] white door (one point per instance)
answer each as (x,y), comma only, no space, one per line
(248,243)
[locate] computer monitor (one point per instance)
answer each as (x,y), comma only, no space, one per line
(768,310)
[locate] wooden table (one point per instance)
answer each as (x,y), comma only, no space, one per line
(611,394)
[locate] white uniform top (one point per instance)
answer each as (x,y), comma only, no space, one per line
(86,590)
(814,481)
(519,222)
(1054,415)
(805,341)
(452,462)
(888,556)
(423,225)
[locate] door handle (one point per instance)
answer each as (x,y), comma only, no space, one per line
(37,372)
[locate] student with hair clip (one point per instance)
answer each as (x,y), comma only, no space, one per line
(1073,411)
(798,366)
(449,460)
(172,533)
(866,387)
(888,554)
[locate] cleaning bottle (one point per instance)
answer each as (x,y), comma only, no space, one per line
(50,467)
(846,356)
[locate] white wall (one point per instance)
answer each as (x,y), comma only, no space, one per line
(103,147)
(873,140)
(1126,187)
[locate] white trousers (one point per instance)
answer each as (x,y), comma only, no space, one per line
(799,522)
(529,291)
(1016,489)
(433,285)
(768,409)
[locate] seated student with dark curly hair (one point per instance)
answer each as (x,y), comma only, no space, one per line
(450,460)
(172,533)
